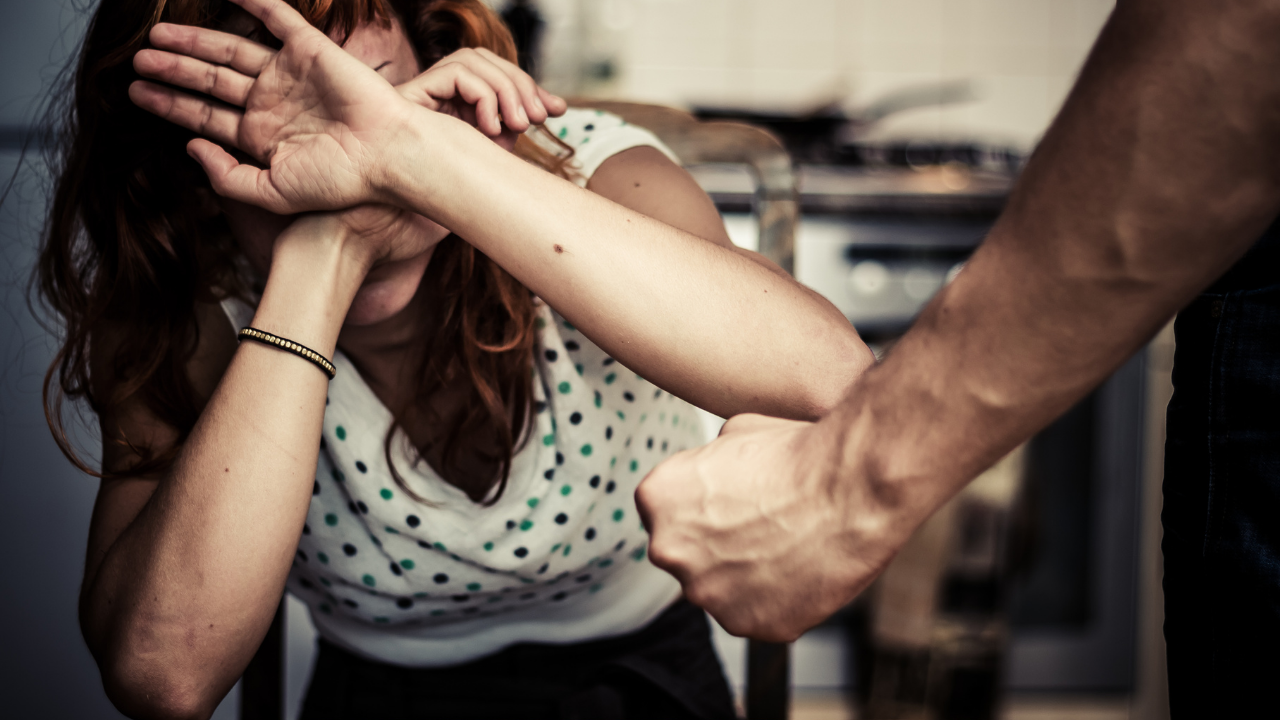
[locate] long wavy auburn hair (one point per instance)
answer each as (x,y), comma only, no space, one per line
(131,244)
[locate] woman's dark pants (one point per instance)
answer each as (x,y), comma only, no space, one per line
(1222,497)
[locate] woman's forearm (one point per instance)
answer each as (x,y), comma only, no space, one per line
(184,595)
(704,322)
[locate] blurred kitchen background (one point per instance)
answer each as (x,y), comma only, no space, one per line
(907,121)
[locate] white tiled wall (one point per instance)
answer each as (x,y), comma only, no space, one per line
(1020,56)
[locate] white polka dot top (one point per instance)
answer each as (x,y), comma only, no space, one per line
(559,558)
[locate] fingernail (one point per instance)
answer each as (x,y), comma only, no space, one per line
(524,116)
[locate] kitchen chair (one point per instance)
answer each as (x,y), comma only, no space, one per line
(776,209)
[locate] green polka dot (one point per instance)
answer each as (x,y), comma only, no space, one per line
(391,530)
(406,564)
(375,540)
(586,450)
(565,489)
(325,581)
(324,608)
(605,563)
(608,379)
(473,587)
(338,476)
(599,400)
(567,326)
(330,519)
(595,588)
(385,493)
(675,420)
(548,439)
(341,432)
(532,502)
(381,620)
(586,140)
(637,554)
(495,598)
(556,547)
(488,547)
(622,415)
(368,580)
(526,524)
(439,546)
(564,387)
(563,132)
(528,581)
(643,417)
(437,613)
(635,466)
(539,323)
(420,595)
(613,461)
(617,515)
(567,548)
(322,558)
(579,368)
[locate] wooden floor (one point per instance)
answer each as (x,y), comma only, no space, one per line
(831,707)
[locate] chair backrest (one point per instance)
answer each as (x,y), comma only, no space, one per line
(777,212)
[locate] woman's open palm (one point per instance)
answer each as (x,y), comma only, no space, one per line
(313,114)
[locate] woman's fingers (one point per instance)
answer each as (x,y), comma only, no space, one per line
(524,84)
(232,179)
(510,101)
(241,54)
(282,20)
(204,117)
(221,82)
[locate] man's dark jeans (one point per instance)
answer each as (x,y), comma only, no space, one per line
(1222,497)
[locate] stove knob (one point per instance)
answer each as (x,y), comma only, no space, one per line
(868,278)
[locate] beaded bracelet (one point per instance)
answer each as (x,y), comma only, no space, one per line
(301,351)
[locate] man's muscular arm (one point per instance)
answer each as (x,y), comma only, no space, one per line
(1162,168)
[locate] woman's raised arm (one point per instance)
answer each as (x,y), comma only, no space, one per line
(708,323)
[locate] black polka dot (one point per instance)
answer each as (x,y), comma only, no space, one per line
(352,507)
(361,466)
(550,474)
(657,394)
(551,355)
(664,446)
(582,578)
(395,569)
(543,568)
(562,519)
(572,346)
(306,529)
(363,508)
(589,127)
(511,524)
(521,552)
(560,596)
(322,445)
(608,432)
(404,603)
(628,396)
(599,398)
(649,444)
(440,578)
(306,583)
(413,521)
(607,362)
(528,596)
(627,443)
(575,418)
(461,598)
(351,603)
(349,549)
(559,458)
(539,406)
(595,481)
(302,556)
(621,544)
(424,544)
(590,534)
(610,486)
(315,489)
